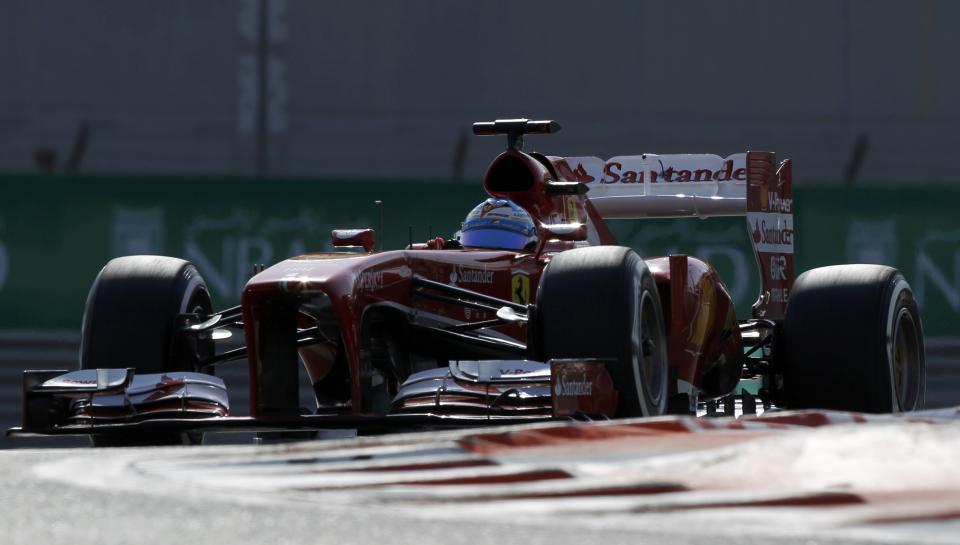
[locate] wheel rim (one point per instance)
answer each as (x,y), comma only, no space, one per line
(651,351)
(199,304)
(905,360)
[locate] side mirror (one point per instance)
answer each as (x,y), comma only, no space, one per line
(342,238)
(572,232)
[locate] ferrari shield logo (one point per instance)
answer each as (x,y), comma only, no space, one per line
(520,289)
(572,216)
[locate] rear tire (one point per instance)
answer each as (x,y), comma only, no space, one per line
(853,340)
(130,320)
(602,302)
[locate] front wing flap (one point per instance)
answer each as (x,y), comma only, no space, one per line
(94,396)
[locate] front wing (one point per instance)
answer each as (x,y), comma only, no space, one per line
(478,393)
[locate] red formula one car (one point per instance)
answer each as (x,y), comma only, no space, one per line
(532,311)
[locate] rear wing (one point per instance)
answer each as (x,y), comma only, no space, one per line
(748,184)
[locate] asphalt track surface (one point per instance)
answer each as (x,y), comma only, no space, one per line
(815,478)
(786,478)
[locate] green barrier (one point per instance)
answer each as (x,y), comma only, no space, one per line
(915,230)
(56,233)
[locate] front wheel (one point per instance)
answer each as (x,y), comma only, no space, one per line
(853,340)
(602,302)
(130,320)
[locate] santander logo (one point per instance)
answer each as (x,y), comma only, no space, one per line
(655,168)
(614,172)
(573,387)
(776,234)
(465,275)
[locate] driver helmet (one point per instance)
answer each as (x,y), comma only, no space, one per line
(498,224)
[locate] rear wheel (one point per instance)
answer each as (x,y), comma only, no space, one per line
(853,340)
(602,302)
(130,320)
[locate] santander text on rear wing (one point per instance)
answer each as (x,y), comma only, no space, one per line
(748,184)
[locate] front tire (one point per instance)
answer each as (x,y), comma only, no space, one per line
(853,340)
(602,302)
(130,320)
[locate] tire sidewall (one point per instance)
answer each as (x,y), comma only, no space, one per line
(900,299)
(651,403)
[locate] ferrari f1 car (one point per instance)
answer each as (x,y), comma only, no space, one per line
(531,311)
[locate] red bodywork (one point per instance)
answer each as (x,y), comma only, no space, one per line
(705,345)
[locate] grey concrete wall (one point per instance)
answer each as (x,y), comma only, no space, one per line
(381,88)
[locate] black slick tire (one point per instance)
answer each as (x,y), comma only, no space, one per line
(852,340)
(130,319)
(602,302)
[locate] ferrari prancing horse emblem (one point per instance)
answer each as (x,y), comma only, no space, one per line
(520,288)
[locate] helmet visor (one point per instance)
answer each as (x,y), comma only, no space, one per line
(500,239)
(497,233)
